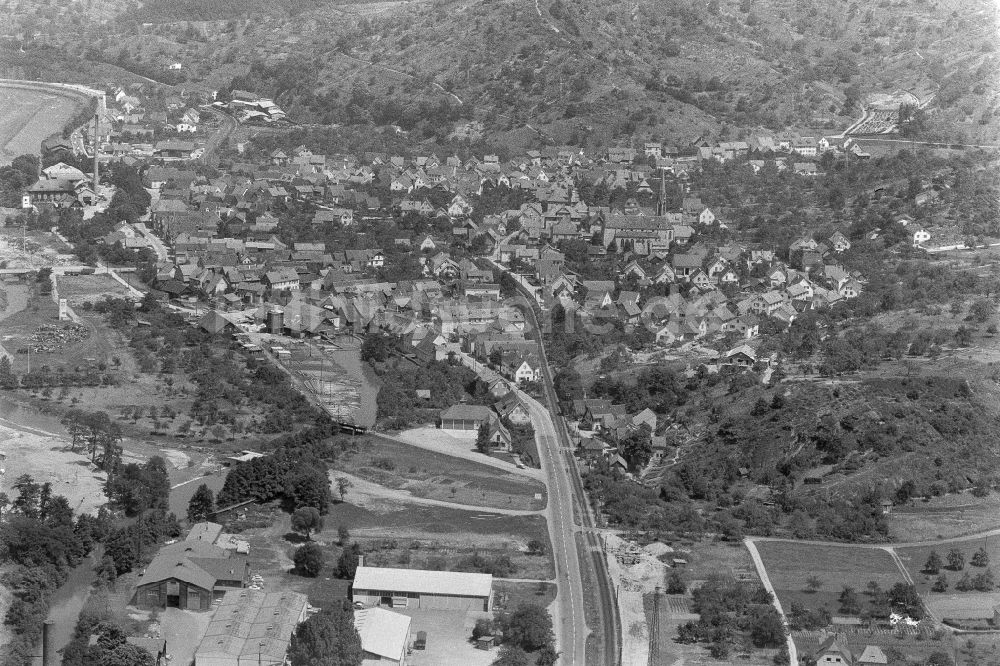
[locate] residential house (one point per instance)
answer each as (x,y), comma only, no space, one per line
(834,651)
(743,356)
(685,265)
(872,655)
(767,303)
(282,279)
(838,242)
(511,408)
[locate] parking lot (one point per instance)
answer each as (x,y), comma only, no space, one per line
(448,638)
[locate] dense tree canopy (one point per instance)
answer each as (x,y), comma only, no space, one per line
(328,638)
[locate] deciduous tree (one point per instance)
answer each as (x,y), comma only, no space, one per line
(933,563)
(308,560)
(327,639)
(307,520)
(956,559)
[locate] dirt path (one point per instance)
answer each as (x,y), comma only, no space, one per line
(882,546)
(371,495)
(766,582)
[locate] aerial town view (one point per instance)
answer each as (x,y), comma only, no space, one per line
(499,332)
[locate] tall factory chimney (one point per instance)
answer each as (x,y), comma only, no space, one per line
(97,127)
(49,656)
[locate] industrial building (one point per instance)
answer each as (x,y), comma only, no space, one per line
(251,627)
(385,636)
(426,590)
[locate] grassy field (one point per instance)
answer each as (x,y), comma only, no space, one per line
(409,537)
(78,289)
(945,517)
(964,605)
(511,594)
(438,476)
(790,565)
(707,557)
(915,558)
(29,116)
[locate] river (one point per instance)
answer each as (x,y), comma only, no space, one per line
(22,416)
(67,602)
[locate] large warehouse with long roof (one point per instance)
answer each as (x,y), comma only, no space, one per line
(426,590)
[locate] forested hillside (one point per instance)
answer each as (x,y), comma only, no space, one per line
(581,71)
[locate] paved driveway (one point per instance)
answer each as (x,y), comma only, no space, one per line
(448,634)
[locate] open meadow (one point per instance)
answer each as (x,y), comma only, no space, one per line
(954,603)
(442,477)
(401,535)
(791,565)
(944,517)
(80,289)
(27,117)
(46,458)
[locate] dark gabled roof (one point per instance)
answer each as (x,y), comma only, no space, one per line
(214,323)
(687,261)
(172,287)
(178,561)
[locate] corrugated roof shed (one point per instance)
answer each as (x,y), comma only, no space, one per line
(423,582)
(249,623)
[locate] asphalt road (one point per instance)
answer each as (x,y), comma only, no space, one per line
(571,626)
(566,492)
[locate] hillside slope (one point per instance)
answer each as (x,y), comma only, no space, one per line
(602,71)
(575,71)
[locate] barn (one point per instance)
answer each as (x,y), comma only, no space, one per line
(426,590)
(190,575)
